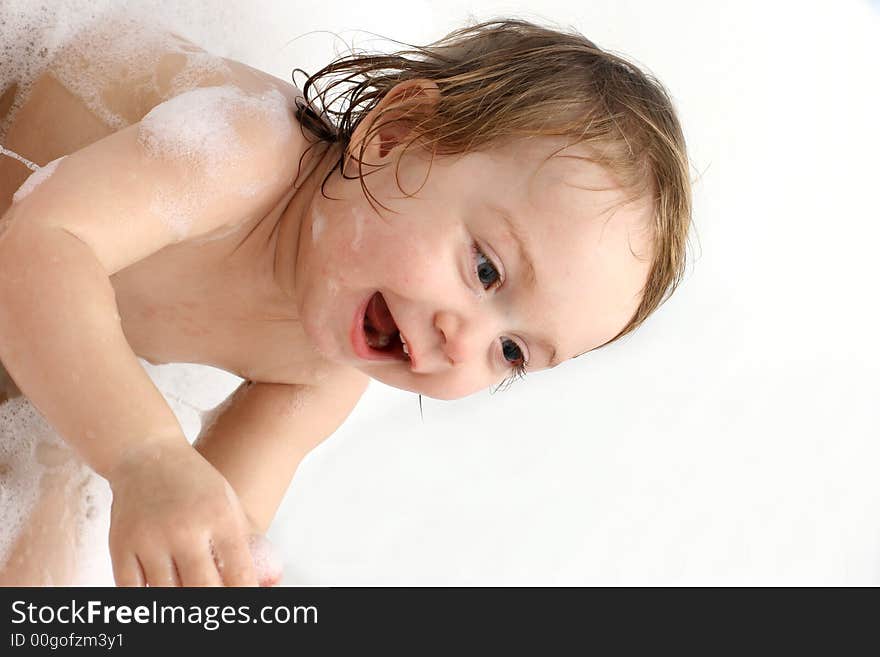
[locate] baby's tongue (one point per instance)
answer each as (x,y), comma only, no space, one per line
(380,317)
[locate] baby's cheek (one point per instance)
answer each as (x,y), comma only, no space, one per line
(420,266)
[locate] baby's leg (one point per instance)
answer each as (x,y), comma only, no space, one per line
(54,511)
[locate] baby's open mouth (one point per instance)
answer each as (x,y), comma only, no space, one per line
(380,329)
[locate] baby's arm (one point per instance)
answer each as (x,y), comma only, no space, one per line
(259,435)
(62,341)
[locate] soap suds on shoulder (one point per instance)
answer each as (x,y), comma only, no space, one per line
(198,128)
(199,123)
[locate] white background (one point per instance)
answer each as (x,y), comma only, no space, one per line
(735,437)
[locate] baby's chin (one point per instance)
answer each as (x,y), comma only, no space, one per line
(421,384)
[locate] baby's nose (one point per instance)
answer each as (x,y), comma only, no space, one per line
(458,340)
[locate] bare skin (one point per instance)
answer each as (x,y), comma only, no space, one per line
(168,314)
(275,300)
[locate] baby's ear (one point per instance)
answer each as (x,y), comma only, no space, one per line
(399,110)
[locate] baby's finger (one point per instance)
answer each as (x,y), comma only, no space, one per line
(158,568)
(234,561)
(127,570)
(197,568)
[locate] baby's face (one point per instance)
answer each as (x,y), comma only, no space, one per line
(471,301)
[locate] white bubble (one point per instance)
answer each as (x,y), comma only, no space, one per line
(36,179)
(318,223)
(15,156)
(198,124)
(358,228)
(176,211)
(267,562)
(197,127)
(29,449)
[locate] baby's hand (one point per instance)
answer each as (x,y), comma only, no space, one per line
(175,521)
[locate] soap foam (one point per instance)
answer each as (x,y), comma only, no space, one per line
(197,127)
(318,224)
(15,156)
(36,179)
(32,34)
(358,228)
(194,126)
(90,48)
(176,211)
(267,562)
(31,449)
(19,469)
(111,43)
(198,124)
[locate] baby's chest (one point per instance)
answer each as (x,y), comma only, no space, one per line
(195,304)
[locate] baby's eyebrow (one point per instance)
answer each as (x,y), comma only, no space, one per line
(530,279)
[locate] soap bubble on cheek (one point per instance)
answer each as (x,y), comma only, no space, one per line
(36,179)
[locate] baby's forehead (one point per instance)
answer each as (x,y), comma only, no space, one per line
(554,187)
(591,249)
(551,166)
(570,185)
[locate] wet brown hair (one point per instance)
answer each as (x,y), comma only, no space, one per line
(509,79)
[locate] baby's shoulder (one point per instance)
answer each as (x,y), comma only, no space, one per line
(214,145)
(105,80)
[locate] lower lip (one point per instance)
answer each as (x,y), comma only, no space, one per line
(359,340)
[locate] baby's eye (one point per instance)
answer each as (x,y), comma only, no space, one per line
(486,270)
(512,353)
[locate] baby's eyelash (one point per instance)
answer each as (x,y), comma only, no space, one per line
(519,371)
(479,255)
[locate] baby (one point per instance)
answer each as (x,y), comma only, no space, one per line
(501,201)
